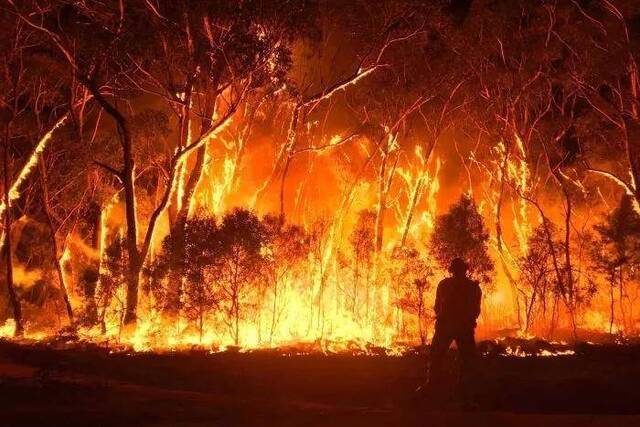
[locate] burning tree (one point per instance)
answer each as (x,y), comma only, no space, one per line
(319,270)
(246,54)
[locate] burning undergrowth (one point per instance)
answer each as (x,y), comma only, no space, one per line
(522,347)
(499,347)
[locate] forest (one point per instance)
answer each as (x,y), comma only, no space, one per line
(299,173)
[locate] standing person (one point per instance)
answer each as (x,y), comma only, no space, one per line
(457,307)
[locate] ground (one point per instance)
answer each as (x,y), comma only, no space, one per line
(43,386)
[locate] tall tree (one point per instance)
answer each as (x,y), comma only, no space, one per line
(411,275)
(615,254)
(537,284)
(242,237)
(461,233)
(286,247)
(191,257)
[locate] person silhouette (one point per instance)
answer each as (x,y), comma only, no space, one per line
(457,308)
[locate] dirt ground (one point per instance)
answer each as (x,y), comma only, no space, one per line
(91,387)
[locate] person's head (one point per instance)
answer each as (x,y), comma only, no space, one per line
(458,267)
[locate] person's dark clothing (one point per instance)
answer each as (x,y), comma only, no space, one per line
(457,307)
(457,303)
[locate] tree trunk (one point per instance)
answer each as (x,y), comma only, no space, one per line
(570,300)
(499,240)
(236,314)
(127,177)
(91,308)
(291,143)
(417,191)
(63,287)
(13,298)
(190,187)
(196,173)
(185,139)
(632,129)
(623,313)
(182,215)
(273,314)
(57,256)
(132,234)
(382,205)
(611,305)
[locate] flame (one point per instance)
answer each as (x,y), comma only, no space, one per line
(8,330)
(14,191)
(519,173)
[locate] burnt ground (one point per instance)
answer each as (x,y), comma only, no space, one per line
(43,386)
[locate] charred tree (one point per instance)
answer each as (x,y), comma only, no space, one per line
(14,302)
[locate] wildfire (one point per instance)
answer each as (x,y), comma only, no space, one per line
(335,298)
(286,203)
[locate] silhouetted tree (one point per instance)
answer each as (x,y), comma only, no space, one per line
(616,254)
(286,246)
(109,294)
(191,259)
(242,238)
(536,282)
(411,275)
(88,282)
(362,241)
(461,233)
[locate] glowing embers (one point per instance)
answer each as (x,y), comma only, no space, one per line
(525,347)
